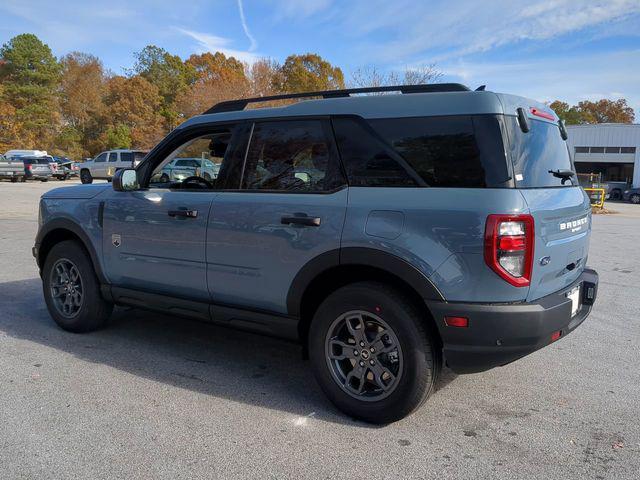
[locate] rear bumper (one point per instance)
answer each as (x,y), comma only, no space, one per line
(501,333)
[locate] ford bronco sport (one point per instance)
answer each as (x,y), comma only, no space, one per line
(386,233)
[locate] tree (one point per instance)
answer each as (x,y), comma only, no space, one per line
(135,103)
(601,111)
(606,111)
(81,89)
(309,72)
(218,78)
(265,78)
(372,76)
(30,75)
(168,73)
(118,136)
(570,115)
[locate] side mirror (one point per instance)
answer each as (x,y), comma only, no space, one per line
(125,180)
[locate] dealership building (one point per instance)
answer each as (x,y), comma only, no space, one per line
(610,149)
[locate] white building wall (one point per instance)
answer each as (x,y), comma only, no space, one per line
(606,135)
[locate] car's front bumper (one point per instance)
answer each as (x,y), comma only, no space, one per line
(498,334)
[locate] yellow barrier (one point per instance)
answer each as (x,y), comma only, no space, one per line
(596,196)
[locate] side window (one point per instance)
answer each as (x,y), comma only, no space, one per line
(366,159)
(126,157)
(195,164)
(113,157)
(101,158)
(293,156)
(449,151)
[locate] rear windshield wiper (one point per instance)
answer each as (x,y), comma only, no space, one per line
(563,174)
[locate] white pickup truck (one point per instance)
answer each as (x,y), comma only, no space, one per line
(11,169)
(105,165)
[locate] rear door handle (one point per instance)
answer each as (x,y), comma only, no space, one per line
(301,220)
(183,213)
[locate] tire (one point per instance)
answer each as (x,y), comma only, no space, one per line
(22,179)
(164,178)
(14,179)
(635,198)
(417,360)
(616,195)
(88,311)
(85,176)
(43,180)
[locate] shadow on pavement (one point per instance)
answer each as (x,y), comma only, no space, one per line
(205,358)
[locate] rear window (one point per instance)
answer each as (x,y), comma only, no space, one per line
(449,151)
(536,152)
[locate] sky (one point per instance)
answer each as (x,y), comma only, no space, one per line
(544,49)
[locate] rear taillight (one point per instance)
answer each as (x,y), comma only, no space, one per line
(29,167)
(508,247)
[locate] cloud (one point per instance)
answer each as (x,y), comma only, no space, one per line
(243,20)
(446,29)
(572,79)
(300,9)
(212,43)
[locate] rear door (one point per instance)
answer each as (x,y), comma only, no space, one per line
(289,209)
(561,211)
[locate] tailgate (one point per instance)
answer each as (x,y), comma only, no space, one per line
(562,219)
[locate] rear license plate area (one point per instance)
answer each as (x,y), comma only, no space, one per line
(574,296)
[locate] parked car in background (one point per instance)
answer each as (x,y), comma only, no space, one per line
(11,169)
(25,153)
(632,195)
(181,168)
(105,165)
(616,189)
(37,168)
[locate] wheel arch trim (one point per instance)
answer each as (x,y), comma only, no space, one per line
(61,225)
(358,256)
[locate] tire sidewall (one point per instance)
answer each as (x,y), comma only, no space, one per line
(417,376)
(90,316)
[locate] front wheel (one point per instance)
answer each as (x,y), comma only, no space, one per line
(371,353)
(635,198)
(71,289)
(85,176)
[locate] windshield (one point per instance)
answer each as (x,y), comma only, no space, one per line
(536,152)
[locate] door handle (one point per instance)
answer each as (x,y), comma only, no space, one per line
(183,213)
(301,220)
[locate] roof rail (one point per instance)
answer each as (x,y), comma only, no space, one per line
(241,104)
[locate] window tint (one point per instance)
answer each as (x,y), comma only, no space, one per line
(101,158)
(366,159)
(113,157)
(126,157)
(597,149)
(582,149)
(138,156)
(627,149)
(536,152)
(291,156)
(449,151)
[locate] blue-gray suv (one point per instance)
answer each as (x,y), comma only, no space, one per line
(387,233)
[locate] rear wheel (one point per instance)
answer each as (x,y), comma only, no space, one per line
(635,198)
(85,176)
(71,289)
(14,179)
(371,353)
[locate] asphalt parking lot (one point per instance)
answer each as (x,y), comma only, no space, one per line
(161,397)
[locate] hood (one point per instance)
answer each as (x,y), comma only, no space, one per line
(77,191)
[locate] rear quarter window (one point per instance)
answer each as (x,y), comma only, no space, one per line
(536,152)
(450,151)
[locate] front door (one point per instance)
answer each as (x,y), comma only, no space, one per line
(154,238)
(290,209)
